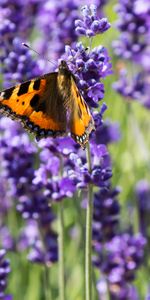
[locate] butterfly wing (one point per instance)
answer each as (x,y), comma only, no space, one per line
(81,120)
(37,104)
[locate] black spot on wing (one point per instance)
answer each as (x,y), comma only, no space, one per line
(41,107)
(23,89)
(34,101)
(36,84)
(7,94)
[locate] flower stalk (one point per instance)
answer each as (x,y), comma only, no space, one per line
(88,242)
(61,252)
(61,244)
(48,295)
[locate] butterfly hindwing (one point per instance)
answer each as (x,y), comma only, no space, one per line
(81,121)
(35,103)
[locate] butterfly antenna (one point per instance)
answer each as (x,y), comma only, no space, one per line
(27,46)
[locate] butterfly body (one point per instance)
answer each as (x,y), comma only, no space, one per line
(50,105)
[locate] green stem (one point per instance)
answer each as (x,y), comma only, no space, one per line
(46,269)
(61,231)
(88,242)
(46,284)
(61,252)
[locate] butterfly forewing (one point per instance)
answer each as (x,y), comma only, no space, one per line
(81,120)
(36,103)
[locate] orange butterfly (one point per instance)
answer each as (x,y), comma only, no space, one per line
(49,106)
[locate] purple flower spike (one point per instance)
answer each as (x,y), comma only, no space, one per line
(89,68)
(119,259)
(91,23)
(142,191)
(133,46)
(56,22)
(4,271)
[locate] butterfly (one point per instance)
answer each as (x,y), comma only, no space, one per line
(50,106)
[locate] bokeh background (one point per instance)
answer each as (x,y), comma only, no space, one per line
(121,215)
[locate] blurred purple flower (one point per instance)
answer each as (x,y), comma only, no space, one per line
(38,253)
(148,294)
(7,241)
(137,88)
(118,260)
(4,271)
(17,22)
(108,132)
(105,215)
(133,45)
(18,15)
(18,159)
(142,191)
(56,22)
(91,23)
(134,25)
(18,64)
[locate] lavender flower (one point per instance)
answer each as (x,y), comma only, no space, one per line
(89,68)
(133,45)
(56,22)
(18,64)
(4,270)
(136,88)
(19,16)
(142,191)
(106,215)
(108,132)
(55,160)
(134,25)
(148,294)
(91,23)
(16,23)
(18,158)
(119,260)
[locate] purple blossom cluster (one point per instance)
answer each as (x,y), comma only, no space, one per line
(18,158)
(91,23)
(142,192)
(57,25)
(134,25)
(4,271)
(134,88)
(89,67)
(16,26)
(17,17)
(53,172)
(17,64)
(117,255)
(133,45)
(105,216)
(74,174)
(119,259)
(56,22)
